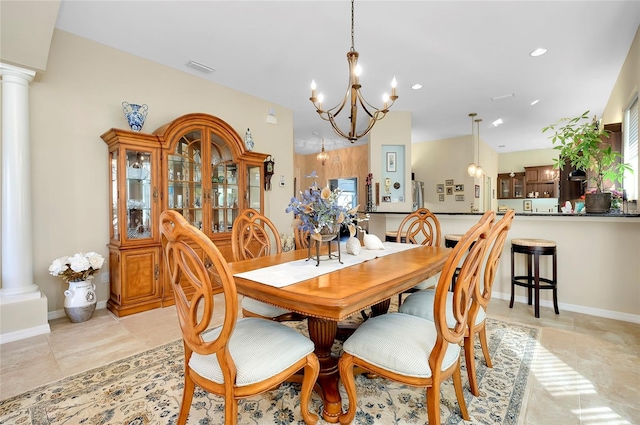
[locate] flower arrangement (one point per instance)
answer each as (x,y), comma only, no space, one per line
(79,267)
(319,211)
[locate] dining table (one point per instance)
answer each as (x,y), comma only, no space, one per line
(332,292)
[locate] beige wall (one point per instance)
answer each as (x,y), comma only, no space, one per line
(516,161)
(625,90)
(76,100)
(447,159)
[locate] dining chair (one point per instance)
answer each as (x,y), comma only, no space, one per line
(422,303)
(301,237)
(420,227)
(415,351)
(242,357)
(253,235)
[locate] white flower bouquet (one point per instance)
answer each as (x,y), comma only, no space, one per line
(79,267)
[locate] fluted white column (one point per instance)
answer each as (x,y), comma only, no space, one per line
(23,308)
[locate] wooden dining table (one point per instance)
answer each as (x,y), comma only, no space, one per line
(332,297)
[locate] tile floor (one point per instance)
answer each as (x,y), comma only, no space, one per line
(586,371)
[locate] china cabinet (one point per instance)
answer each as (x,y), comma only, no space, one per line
(511,187)
(197,165)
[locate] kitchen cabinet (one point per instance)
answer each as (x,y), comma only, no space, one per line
(541,180)
(511,187)
(197,165)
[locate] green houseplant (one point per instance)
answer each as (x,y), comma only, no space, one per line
(582,144)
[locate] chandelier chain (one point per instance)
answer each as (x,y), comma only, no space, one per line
(353,49)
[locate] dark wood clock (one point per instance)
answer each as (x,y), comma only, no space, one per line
(268,172)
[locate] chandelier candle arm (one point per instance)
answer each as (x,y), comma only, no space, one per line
(354,97)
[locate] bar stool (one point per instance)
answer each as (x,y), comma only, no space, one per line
(451,240)
(390,236)
(533,249)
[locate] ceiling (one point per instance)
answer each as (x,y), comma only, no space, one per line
(464,53)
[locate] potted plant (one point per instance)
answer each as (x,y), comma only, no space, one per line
(582,144)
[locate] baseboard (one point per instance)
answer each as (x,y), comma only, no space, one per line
(598,312)
(56,314)
(24,333)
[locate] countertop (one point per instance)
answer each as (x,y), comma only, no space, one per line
(527,214)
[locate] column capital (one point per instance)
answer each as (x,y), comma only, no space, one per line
(7,70)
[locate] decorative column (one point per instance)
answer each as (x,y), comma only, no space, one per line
(21,301)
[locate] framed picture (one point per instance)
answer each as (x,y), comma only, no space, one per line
(448,182)
(459,188)
(440,188)
(450,190)
(477,191)
(441,197)
(391,162)
(526,205)
(459,197)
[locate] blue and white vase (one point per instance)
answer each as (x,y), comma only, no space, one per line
(135,115)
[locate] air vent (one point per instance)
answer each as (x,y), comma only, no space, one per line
(200,67)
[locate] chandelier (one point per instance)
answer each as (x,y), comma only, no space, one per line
(353,97)
(322,156)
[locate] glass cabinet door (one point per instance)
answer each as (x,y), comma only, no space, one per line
(224,203)
(184,178)
(518,185)
(138,194)
(254,180)
(115,228)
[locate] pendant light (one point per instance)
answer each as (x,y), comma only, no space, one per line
(322,156)
(471,169)
(479,171)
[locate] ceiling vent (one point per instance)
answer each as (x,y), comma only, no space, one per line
(200,67)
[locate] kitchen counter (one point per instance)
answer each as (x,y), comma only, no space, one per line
(598,267)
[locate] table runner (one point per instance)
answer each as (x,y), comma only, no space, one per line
(296,271)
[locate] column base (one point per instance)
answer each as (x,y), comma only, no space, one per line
(23,319)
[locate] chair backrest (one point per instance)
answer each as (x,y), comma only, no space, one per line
(495,245)
(466,255)
(420,227)
(253,235)
(181,243)
(301,237)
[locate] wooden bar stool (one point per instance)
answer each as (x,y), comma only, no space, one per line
(533,249)
(391,236)
(451,240)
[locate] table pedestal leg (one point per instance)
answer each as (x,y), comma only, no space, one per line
(322,333)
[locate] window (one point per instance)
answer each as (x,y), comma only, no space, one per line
(631,149)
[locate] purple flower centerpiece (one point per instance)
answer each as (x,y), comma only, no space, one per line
(320,211)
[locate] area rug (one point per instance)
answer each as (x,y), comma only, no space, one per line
(147,389)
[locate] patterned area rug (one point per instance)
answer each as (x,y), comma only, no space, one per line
(147,389)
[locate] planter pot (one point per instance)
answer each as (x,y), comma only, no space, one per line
(80,301)
(597,203)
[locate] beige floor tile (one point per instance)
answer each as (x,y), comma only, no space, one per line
(595,410)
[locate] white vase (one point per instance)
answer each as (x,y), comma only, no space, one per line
(80,301)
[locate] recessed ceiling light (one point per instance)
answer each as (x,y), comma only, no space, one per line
(534,102)
(497,122)
(416,86)
(538,52)
(503,97)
